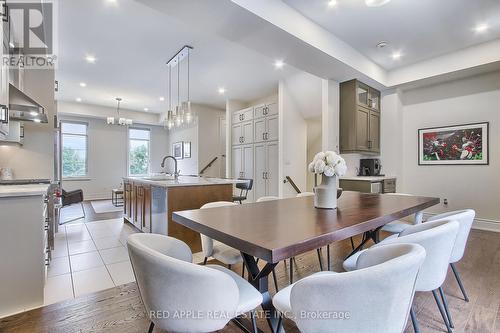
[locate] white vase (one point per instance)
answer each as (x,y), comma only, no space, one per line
(325,195)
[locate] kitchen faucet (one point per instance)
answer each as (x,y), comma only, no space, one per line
(176,173)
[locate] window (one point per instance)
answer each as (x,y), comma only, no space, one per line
(138,151)
(74,149)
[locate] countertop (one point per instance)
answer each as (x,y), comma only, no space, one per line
(368,178)
(183,181)
(8,191)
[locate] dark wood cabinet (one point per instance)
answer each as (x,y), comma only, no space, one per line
(359,118)
(137,205)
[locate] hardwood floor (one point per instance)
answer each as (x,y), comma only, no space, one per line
(120,309)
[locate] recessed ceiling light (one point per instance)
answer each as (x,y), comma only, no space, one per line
(91,59)
(222,91)
(162,99)
(78,99)
(481,28)
(332,3)
(146,109)
(376,3)
(37,120)
(279,64)
(396,55)
(12,45)
(382,44)
(83,84)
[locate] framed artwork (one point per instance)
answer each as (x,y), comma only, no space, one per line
(178,150)
(454,145)
(187,149)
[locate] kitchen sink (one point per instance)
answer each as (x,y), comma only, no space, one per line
(160,177)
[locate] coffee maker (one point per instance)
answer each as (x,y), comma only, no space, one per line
(370,167)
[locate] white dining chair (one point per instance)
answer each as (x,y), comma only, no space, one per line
(305,194)
(180,296)
(376,298)
(395,227)
(438,239)
(268,198)
(217,250)
(465,218)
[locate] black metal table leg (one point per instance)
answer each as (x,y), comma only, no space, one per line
(328,265)
(259,279)
(369,235)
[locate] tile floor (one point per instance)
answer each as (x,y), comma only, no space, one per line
(88,257)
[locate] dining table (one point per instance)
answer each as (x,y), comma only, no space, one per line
(277,230)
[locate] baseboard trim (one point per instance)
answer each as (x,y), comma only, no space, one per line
(479,223)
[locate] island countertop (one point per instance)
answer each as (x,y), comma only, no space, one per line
(9,191)
(167,181)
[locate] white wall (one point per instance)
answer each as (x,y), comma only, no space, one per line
(464,101)
(35,158)
(107,156)
(205,142)
(314,145)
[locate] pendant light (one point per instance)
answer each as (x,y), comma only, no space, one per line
(170,116)
(189,113)
(119,120)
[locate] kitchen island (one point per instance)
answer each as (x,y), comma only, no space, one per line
(24,249)
(150,201)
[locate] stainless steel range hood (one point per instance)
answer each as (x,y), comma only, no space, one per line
(22,107)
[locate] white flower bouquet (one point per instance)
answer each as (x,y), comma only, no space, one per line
(329,164)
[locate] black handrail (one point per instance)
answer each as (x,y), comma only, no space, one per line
(292,183)
(208,165)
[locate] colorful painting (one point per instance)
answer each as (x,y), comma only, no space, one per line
(454,145)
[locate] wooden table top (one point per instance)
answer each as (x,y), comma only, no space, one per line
(281,229)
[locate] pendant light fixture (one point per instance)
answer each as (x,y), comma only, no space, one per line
(119,120)
(182,115)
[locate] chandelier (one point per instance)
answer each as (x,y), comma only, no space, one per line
(182,115)
(119,120)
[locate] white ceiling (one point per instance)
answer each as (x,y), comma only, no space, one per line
(132,43)
(419,29)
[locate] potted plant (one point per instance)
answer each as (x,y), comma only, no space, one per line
(329,165)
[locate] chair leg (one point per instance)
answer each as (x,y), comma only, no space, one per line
(328,264)
(205,261)
(83,210)
(441,310)
(229,266)
(457,276)
(291,270)
(275,281)
(151,326)
(243,270)
(319,259)
(414,320)
(445,303)
(352,243)
(254,321)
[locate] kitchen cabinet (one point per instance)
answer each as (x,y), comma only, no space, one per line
(243,115)
(266,110)
(137,205)
(266,129)
(127,199)
(359,118)
(4,80)
(243,164)
(266,169)
(242,133)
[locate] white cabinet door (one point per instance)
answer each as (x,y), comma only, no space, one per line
(260,170)
(260,111)
(4,78)
(247,132)
(236,135)
(272,169)
(237,158)
(260,130)
(272,109)
(272,128)
(247,162)
(247,114)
